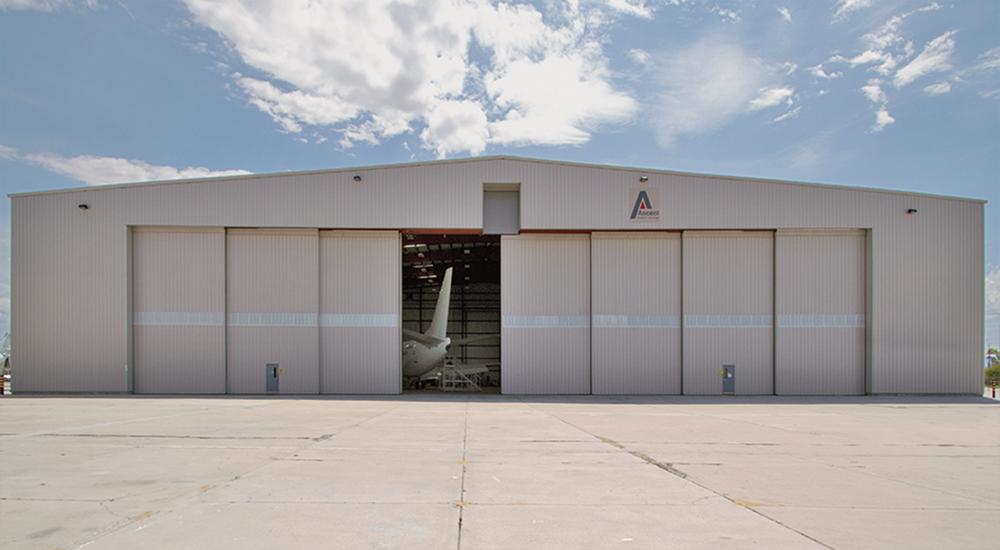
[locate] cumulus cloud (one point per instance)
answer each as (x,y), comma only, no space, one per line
(462,74)
(846,7)
(938,88)
(936,57)
(873,91)
(769,97)
(105,170)
(708,84)
(818,72)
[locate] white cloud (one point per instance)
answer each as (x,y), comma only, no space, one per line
(873,91)
(769,97)
(818,72)
(637,8)
(936,57)
(8,152)
(992,294)
(105,170)
(846,7)
(728,14)
(372,69)
(790,114)
(787,15)
(707,85)
(44,5)
(882,119)
(938,88)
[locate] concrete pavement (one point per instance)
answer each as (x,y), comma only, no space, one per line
(426,470)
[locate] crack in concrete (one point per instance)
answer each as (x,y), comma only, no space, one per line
(465,464)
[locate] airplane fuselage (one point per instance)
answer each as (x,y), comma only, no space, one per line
(419,359)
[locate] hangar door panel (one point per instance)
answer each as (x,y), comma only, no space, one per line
(820,307)
(637,313)
(359,312)
(272,295)
(545,310)
(728,311)
(178,308)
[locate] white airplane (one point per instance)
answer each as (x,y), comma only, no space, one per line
(425,353)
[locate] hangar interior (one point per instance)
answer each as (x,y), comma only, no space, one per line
(475,293)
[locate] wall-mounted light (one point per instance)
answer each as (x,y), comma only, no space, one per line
(911,211)
(643,179)
(82,206)
(357,177)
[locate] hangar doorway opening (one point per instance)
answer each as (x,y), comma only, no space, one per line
(473,320)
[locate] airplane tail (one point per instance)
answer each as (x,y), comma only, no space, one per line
(439,324)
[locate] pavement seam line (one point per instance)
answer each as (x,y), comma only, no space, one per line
(683,476)
(465,464)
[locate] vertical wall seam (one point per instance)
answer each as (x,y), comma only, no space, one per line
(682,311)
(774,312)
(225,305)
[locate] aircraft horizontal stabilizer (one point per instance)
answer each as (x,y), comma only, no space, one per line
(471,339)
(424,339)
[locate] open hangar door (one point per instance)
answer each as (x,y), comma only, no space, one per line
(178,303)
(637,313)
(474,311)
(820,308)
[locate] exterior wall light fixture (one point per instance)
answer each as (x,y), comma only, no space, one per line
(911,211)
(357,177)
(82,206)
(643,179)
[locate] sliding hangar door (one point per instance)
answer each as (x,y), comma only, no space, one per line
(247,311)
(673,312)
(306,311)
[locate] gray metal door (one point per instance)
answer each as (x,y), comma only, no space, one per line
(272,378)
(729,379)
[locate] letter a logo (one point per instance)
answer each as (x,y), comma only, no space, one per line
(641,203)
(645,205)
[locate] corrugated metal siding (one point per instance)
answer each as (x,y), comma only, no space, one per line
(545,310)
(179,310)
(69,289)
(272,301)
(728,309)
(359,305)
(820,307)
(928,298)
(637,311)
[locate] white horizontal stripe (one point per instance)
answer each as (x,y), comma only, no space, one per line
(821,321)
(727,321)
(637,321)
(546,321)
(358,320)
(272,319)
(180,318)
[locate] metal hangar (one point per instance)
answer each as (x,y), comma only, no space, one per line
(598,279)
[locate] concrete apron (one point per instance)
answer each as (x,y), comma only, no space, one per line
(478,472)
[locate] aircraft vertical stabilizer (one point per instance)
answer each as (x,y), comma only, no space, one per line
(439,324)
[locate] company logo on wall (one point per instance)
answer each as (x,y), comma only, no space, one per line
(645,204)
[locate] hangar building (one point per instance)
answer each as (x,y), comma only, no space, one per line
(600,280)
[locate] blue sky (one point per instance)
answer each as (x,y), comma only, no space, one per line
(875,93)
